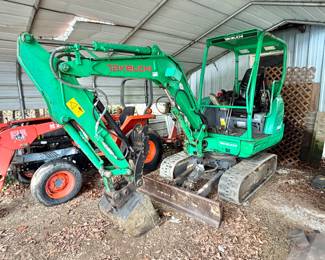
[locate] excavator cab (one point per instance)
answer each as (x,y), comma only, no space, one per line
(252,112)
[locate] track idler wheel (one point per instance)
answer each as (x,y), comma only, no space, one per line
(130,209)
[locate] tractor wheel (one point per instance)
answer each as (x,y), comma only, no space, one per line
(56,182)
(154,153)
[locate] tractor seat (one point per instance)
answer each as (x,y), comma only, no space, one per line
(127,111)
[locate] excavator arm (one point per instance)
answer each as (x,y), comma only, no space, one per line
(80,109)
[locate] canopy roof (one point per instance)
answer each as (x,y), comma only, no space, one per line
(245,42)
(179,27)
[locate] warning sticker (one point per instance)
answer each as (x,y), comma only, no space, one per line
(75,107)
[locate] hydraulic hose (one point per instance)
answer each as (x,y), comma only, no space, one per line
(157,101)
(95,90)
(99,105)
(202,117)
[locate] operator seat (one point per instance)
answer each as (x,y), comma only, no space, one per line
(127,111)
(241,99)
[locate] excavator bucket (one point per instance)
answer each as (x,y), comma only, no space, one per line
(136,216)
(133,211)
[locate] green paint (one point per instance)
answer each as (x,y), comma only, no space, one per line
(67,104)
(245,43)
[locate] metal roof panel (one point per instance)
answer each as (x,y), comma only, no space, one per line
(88,32)
(121,12)
(50,24)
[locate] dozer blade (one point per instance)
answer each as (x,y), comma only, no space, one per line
(201,208)
(241,181)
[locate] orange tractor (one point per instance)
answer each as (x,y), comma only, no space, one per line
(29,144)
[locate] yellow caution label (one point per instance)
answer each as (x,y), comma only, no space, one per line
(75,107)
(222,122)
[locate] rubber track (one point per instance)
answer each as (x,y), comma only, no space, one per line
(235,178)
(167,166)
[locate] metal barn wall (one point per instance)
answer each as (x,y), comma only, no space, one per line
(134,93)
(304,50)
(219,75)
(8,87)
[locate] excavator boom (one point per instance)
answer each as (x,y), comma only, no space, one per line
(79,108)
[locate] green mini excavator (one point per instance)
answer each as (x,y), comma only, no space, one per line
(225,134)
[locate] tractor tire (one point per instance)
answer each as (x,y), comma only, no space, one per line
(154,154)
(56,182)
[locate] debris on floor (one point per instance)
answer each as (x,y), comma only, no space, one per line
(319,182)
(174,220)
(293,198)
(306,245)
(77,230)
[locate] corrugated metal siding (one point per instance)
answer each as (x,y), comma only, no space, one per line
(8,86)
(118,11)
(159,124)
(304,50)
(134,93)
(183,21)
(219,75)
(14,18)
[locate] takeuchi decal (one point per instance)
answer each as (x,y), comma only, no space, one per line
(129,68)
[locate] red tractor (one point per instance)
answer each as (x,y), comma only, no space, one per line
(28,144)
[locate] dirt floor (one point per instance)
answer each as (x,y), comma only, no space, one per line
(77,230)
(289,194)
